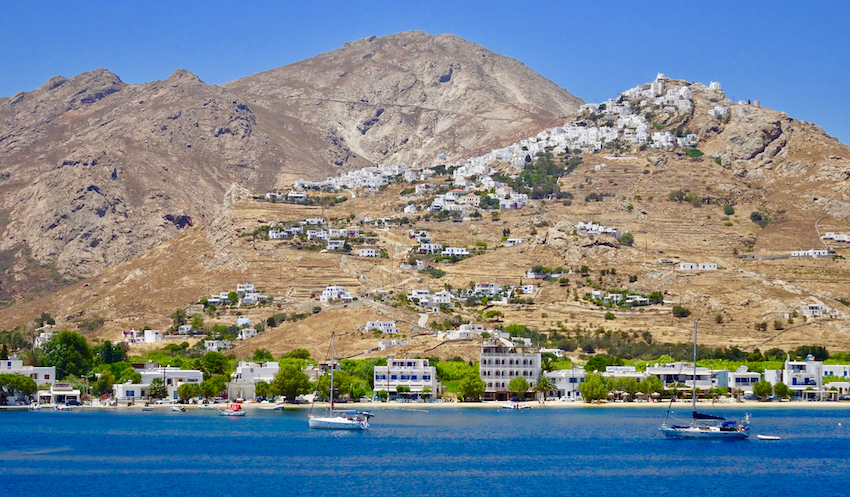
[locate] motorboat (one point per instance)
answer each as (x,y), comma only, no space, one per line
(178,409)
(768,437)
(704,425)
(232,410)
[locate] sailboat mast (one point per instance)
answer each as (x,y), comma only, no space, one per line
(694,392)
(333,336)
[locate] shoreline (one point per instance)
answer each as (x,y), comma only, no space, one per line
(474,405)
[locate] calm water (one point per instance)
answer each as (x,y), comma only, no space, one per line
(446,451)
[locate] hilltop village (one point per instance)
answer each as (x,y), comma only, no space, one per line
(454,280)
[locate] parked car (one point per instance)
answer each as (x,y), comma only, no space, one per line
(219,400)
(72,403)
(166,401)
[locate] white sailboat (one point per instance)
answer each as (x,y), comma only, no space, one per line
(348,420)
(705,425)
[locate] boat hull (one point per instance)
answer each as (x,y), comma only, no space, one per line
(703,433)
(338,423)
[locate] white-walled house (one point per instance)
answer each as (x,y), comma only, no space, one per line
(416,374)
(153,336)
(217,345)
(41,374)
(708,266)
(172,377)
(383,326)
(367,252)
(742,379)
(455,251)
(687,266)
(430,248)
(512,242)
(335,293)
(243,381)
(567,382)
(246,333)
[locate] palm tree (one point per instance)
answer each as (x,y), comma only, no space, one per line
(544,385)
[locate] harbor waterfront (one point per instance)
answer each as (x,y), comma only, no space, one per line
(424,450)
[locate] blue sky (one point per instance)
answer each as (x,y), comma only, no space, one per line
(792,56)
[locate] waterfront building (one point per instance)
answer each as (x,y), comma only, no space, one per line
(501,361)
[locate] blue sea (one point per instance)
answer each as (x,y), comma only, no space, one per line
(442,451)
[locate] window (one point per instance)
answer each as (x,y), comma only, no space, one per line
(393,377)
(405,377)
(426,377)
(131,393)
(47,377)
(414,378)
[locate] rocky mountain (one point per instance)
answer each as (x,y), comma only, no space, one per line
(410,96)
(94,171)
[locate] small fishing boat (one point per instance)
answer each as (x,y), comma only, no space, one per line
(768,437)
(147,407)
(61,408)
(276,407)
(178,408)
(232,410)
(34,407)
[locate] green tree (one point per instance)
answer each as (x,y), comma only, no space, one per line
(4,353)
(212,363)
(290,382)
(262,389)
(626,385)
(233,297)
(187,391)
(782,390)
(209,389)
(297,354)
(383,395)
(157,389)
(471,387)
(593,387)
(69,353)
(402,389)
(178,317)
(596,363)
(262,355)
(651,385)
(680,312)
(544,385)
(728,210)
(627,238)
(104,383)
(518,387)
(763,389)
(13,382)
(197,322)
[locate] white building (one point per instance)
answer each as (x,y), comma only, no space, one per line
(708,266)
(430,248)
(410,209)
(217,345)
(335,293)
(501,361)
(487,289)
(172,377)
(243,381)
(42,339)
(512,242)
(681,372)
(383,326)
(455,251)
(567,382)
(41,374)
(742,379)
(804,378)
(814,253)
(388,344)
(688,266)
(246,333)
(367,252)
(153,336)
(415,374)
